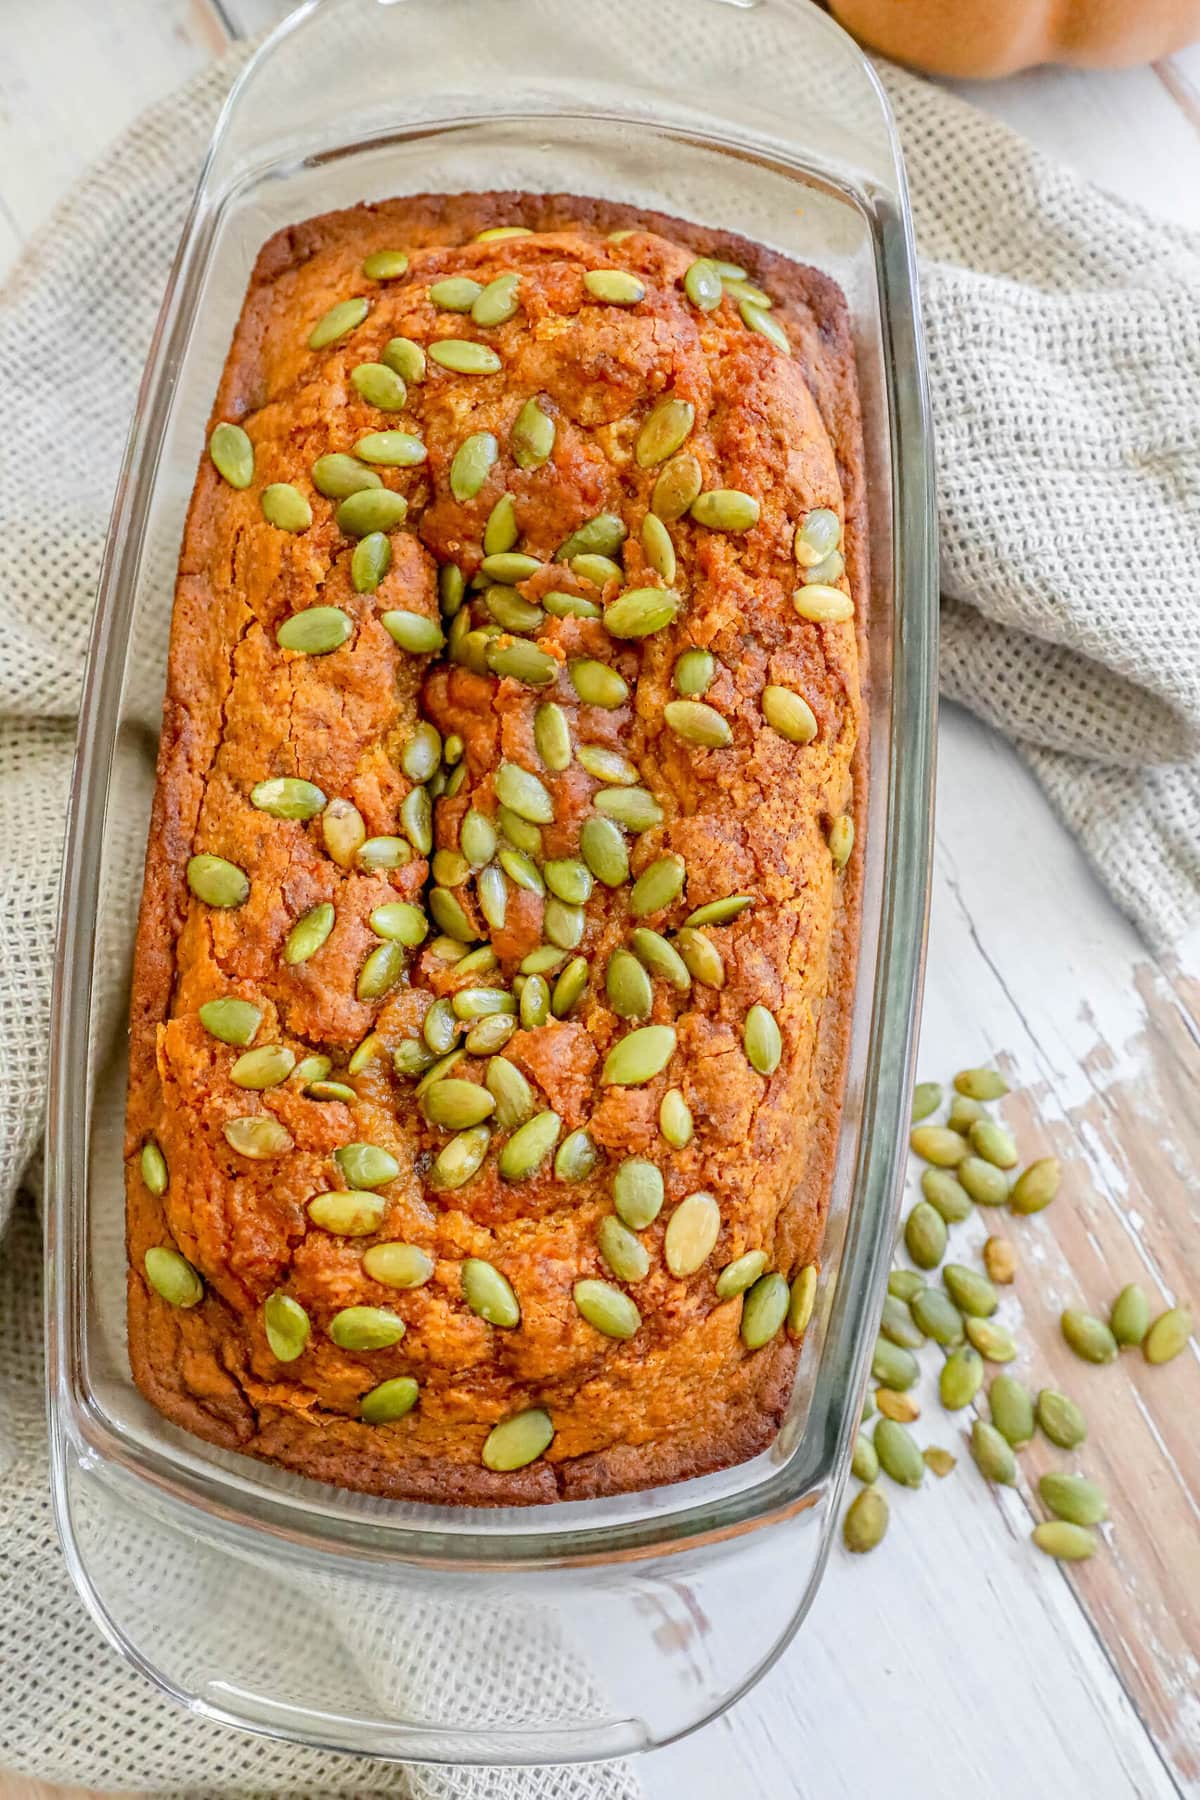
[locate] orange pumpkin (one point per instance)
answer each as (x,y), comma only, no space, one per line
(996,37)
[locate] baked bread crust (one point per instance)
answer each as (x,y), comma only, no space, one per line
(684,1395)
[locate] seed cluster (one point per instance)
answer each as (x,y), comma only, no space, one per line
(969,1161)
(454,1070)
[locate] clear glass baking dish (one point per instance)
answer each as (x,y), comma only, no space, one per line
(582,1629)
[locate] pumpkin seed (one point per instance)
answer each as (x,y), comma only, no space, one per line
(963,1113)
(740,1274)
(371,1047)
(692,1231)
(287,797)
(693,674)
(901,1407)
(980,1084)
(173,1278)
(498,303)
(1011,1406)
(1000,1259)
(231,1020)
(460,1159)
(758,319)
(601,535)
(762,1040)
(729,271)
(658,886)
(627,986)
(343,831)
(455,1105)
(659,549)
(347,1212)
(577,1156)
(938,1317)
(473,461)
(864,1464)
(545,960)
(596,684)
(1060,1419)
(532,437)
(473,1003)
(570,606)
(868,1407)
(552,736)
(449,916)
(927,1097)
(406,357)
(522,834)
(489,1034)
(824,576)
(898,1455)
(423,752)
(1129,1320)
(525,873)
(637,1192)
(390,1400)
(971,1292)
(535,1002)
(1073,1497)
(571,881)
(993,1143)
(1064,1541)
(677,488)
(365,1328)
(1089,1337)
(401,921)
(822,604)
(371,509)
(370,562)
(640,612)
(500,533)
(905,1284)
(702,284)
(698,723)
(982,1181)
(285,507)
(395,449)
(741,288)
(512,1093)
(701,957)
(606,765)
(615,286)
(817,536)
(465,357)
(489,1294)
(841,840)
(492,894)
(398,1265)
(287,1326)
(632,807)
(380,387)
(384,853)
(991,1340)
(606,1308)
(720,912)
(725,509)
(961,1378)
(764,1310)
(529,1146)
(217,882)
(945,1192)
(1036,1186)
(338,322)
(624,1255)
(315,631)
(604,851)
(518,1441)
(385,265)
(366,1165)
(260,1136)
(263,1068)
(660,957)
(639,1056)
(457,293)
(993,1455)
(510,613)
(789,714)
(599,570)
(803,1299)
(524,794)
(935,1144)
(494,232)
(380,972)
(523,662)
(899,1325)
(1168,1335)
(480,961)
(866,1521)
(569,987)
(477,838)
(894,1367)
(665,429)
(232,455)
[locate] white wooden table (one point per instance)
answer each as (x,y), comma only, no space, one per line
(955,1660)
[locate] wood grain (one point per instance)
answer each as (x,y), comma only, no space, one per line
(955,1660)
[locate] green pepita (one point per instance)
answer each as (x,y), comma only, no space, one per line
(866,1521)
(624,1254)
(864,1464)
(524,794)
(898,1454)
(389,1401)
(660,957)
(263,1068)
(638,1192)
(473,462)
(457,293)
(385,265)
(614,286)
(232,455)
(398,1265)
(961,1378)
(456,1105)
(935,1144)
(1060,1419)
(518,1441)
(640,612)
(658,886)
(1089,1337)
(371,509)
(993,1143)
(980,1084)
(720,912)
(383,853)
(286,1325)
(632,807)
(259,1136)
(1036,1186)
(789,714)
(698,723)
(971,1291)
(817,536)
(338,322)
(460,1159)
(757,318)
(287,797)
(231,1020)
(740,1274)
(899,1325)
(462,356)
(927,1097)
(893,1367)
(347,1212)
(596,683)
(601,535)
(173,1278)
(529,1146)
(1064,1541)
(315,631)
(569,987)
(627,986)
(677,488)
(370,562)
(945,1192)
(693,674)
(1011,1406)
(691,1234)
(1168,1335)
(604,851)
(532,437)
(365,1328)
(217,882)
(803,1299)
(764,1310)
(982,1181)
(489,1293)
(666,428)
(938,1317)
(725,509)
(380,386)
(993,1454)
(991,1340)
(606,1308)
(406,357)
(639,1056)
(762,1040)
(285,507)
(577,1156)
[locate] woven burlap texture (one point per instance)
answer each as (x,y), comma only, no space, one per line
(1064,346)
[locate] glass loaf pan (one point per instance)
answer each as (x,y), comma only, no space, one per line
(581,1629)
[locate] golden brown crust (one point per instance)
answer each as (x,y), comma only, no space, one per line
(684,1395)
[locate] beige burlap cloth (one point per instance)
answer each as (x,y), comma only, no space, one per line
(1064,345)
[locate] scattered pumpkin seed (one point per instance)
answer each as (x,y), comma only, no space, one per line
(698,723)
(315,631)
(945,1192)
(817,536)
(456,1105)
(495,232)
(569,987)
(983,1181)
(639,1056)
(1073,1497)
(740,1274)
(461,1158)
(615,286)
(1036,1186)
(347,1212)
(971,1291)
(384,853)
(489,1293)
(535,1002)
(865,1524)
(285,507)
(935,1144)
(570,606)
(172,1277)
(380,972)
(287,1326)
(370,562)
(1064,1541)
(981,1084)
(757,318)
(287,797)
(963,1113)
(894,1367)
(677,487)
(524,794)
(371,509)
(1011,1406)
(927,1097)
(473,462)
(232,455)
(762,1040)
(991,1340)
(465,357)
(518,1441)
(898,1454)
(406,358)
(1000,1260)
(498,303)
(925,1235)
(457,293)
(899,1325)
(841,840)
(398,1265)
(905,1284)
(577,1156)
(260,1136)
(1089,1337)
(901,1407)
(993,1454)
(596,683)
(624,1254)
(389,1401)
(1060,1419)
(960,1378)
(263,1068)
(529,1146)
(720,912)
(606,1308)
(601,535)
(1168,1335)
(993,1143)
(938,1317)
(217,882)
(231,1020)
(665,429)
(864,1464)
(381,387)
(513,1095)
(1129,1320)
(658,886)
(532,437)
(627,986)
(632,807)
(366,1165)
(803,1299)
(338,322)
(725,509)
(520,869)
(764,1310)
(692,1231)
(639,612)
(365,1328)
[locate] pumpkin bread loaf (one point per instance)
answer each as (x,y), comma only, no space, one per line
(497,942)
